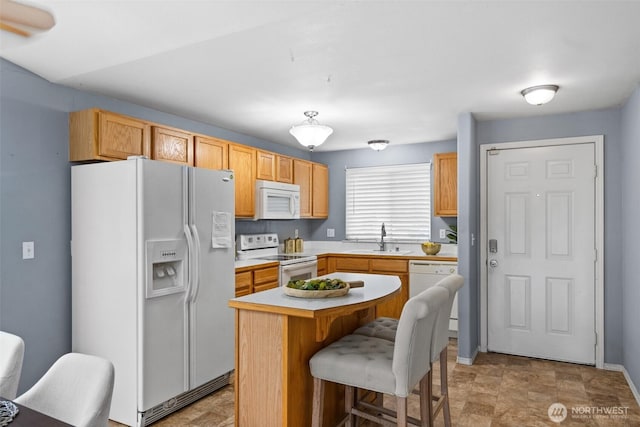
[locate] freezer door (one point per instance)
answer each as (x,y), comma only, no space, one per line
(212,220)
(163,313)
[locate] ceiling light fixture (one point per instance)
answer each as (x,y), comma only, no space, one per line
(538,95)
(310,133)
(378,144)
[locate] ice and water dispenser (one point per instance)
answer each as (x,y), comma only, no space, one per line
(165,262)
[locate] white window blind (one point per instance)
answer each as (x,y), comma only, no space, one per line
(398,196)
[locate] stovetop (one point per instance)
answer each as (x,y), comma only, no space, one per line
(285,257)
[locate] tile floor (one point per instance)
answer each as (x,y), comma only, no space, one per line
(497,391)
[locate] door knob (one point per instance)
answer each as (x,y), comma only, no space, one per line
(493,262)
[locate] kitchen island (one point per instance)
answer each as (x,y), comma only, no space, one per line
(276,335)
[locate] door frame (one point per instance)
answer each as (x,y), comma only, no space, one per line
(597,140)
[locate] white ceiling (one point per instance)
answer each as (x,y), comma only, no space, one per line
(397,70)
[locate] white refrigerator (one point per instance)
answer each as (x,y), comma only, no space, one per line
(152,272)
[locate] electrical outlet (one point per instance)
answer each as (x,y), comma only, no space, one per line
(28,250)
(443,233)
(331,232)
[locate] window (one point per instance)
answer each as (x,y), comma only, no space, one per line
(398,196)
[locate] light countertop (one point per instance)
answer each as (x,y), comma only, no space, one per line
(276,301)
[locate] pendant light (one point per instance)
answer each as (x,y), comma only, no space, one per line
(310,133)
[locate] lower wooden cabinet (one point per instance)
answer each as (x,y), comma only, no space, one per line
(322,265)
(382,265)
(257,278)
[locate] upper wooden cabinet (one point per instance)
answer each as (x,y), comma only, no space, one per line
(284,169)
(95,134)
(242,160)
(211,153)
(101,135)
(302,177)
(320,188)
(313,179)
(171,145)
(266,165)
(445,184)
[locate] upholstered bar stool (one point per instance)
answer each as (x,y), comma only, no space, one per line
(11,356)
(385,328)
(382,366)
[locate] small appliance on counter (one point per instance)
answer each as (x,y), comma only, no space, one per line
(265,247)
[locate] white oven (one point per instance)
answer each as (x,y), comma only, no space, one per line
(265,247)
(302,270)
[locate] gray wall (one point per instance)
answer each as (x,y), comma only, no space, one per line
(338,161)
(630,156)
(35,295)
(607,123)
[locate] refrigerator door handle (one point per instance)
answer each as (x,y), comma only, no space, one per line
(191,255)
(196,264)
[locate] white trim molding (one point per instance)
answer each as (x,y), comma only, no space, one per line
(468,360)
(621,368)
(598,141)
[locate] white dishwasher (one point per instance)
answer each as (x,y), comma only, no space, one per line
(425,274)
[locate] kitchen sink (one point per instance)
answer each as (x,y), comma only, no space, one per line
(377,252)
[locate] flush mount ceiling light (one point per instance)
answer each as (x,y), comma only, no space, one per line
(310,133)
(538,95)
(378,144)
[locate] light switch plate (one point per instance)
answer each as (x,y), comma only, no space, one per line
(443,233)
(331,232)
(28,250)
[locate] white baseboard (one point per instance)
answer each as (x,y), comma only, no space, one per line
(467,360)
(621,368)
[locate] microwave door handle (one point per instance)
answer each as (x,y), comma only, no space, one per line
(292,205)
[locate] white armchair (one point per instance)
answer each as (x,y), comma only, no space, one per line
(11,355)
(77,389)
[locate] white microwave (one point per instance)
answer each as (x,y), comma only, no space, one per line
(277,200)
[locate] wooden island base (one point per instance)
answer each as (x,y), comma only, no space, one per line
(276,335)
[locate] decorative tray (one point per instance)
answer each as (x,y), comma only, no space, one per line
(319,288)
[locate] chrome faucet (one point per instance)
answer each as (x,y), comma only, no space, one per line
(382,243)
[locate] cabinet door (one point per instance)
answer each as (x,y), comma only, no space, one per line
(266,165)
(120,137)
(172,145)
(320,191)
(244,283)
(266,278)
(211,153)
(242,160)
(302,177)
(445,184)
(322,265)
(284,169)
(352,264)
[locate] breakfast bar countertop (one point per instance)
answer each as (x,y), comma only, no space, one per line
(276,301)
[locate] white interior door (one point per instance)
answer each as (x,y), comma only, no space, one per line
(541,252)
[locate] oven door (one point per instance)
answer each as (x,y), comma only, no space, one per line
(299,271)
